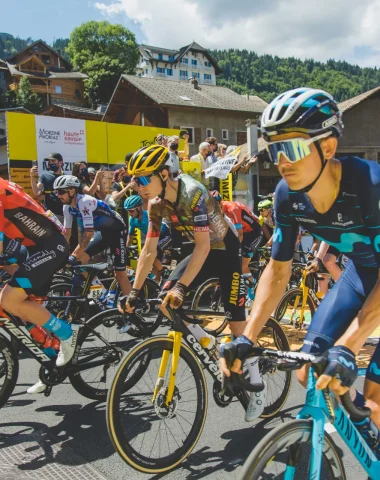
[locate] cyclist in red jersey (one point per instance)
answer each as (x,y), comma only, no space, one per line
(24,220)
(247,225)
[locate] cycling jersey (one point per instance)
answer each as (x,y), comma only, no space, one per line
(22,218)
(241,216)
(352,224)
(92,214)
(143,224)
(193,211)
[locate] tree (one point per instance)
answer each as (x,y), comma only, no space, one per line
(103,52)
(24,96)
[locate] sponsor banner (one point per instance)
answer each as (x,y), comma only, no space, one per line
(192,168)
(221,168)
(136,241)
(62,135)
(226,188)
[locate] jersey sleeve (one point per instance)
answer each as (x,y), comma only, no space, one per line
(286,229)
(132,226)
(199,211)
(86,207)
(368,190)
(67,217)
(155,219)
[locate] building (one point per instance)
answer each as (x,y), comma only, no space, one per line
(71,111)
(3,83)
(192,61)
(203,110)
(49,73)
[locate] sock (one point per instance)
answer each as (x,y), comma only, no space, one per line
(60,328)
(359,399)
(253,370)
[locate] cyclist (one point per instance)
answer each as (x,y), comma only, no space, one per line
(99,227)
(186,206)
(22,219)
(247,225)
(139,219)
(266,219)
(338,202)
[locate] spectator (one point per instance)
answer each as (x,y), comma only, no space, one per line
(43,188)
(122,188)
(80,170)
(173,143)
(213,149)
(231,149)
(203,157)
(245,168)
(162,140)
(222,149)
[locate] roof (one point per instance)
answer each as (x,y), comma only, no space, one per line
(183,94)
(79,111)
(50,75)
(352,102)
(150,49)
(63,75)
(256,99)
(45,45)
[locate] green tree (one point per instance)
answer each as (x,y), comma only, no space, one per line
(24,96)
(103,52)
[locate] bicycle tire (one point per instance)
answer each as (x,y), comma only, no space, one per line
(292,434)
(95,388)
(286,300)
(153,348)
(280,392)
(211,285)
(9,368)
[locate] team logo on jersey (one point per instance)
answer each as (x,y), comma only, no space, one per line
(86,212)
(299,206)
(340,217)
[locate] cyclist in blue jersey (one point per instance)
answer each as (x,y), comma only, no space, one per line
(99,227)
(337,201)
(138,218)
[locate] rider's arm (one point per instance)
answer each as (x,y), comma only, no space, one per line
(117,195)
(85,224)
(322,250)
(266,232)
(67,234)
(275,277)
(131,232)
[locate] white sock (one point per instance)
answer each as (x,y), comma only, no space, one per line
(253,370)
(197,331)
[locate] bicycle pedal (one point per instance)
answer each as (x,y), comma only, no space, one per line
(48,390)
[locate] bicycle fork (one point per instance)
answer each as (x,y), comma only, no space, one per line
(177,341)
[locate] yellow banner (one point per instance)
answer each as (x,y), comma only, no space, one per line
(226,188)
(192,168)
(136,241)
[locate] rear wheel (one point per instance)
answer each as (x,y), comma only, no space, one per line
(289,309)
(290,445)
(209,297)
(9,367)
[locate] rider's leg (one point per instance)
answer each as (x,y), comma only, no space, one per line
(323,283)
(244,265)
(157,267)
(329,261)
(122,278)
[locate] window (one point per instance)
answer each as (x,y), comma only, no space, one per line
(169,71)
(171,58)
(195,74)
(194,62)
(160,56)
(146,71)
(207,76)
(45,59)
(209,132)
(378,157)
(183,73)
(160,70)
(207,64)
(224,134)
(190,131)
(78,93)
(58,89)
(184,60)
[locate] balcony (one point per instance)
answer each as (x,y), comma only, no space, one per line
(207,81)
(35,88)
(161,74)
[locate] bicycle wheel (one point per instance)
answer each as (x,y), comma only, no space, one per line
(289,308)
(278,382)
(94,382)
(58,307)
(290,444)
(208,297)
(9,367)
(149,436)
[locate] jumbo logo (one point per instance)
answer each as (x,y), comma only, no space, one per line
(234,295)
(226,188)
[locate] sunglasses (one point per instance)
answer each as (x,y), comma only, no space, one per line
(294,149)
(131,210)
(144,181)
(62,191)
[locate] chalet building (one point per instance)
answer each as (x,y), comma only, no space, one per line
(49,73)
(3,83)
(203,110)
(192,61)
(71,111)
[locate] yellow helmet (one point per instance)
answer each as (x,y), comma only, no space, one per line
(148,159)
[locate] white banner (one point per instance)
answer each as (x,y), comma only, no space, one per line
(221,168)
(66,136)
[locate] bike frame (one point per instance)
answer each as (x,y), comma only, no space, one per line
(319,405)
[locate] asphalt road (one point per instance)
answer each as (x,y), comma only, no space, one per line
(65,436)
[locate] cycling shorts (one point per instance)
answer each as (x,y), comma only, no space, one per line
(226,266)
(338,309)
(115,240)
(333,251)
(34,274)
(15,252)
(251,242)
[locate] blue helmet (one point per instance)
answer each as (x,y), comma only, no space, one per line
(132,202)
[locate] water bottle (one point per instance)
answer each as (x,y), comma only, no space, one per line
(111,299)
(44,339)
(209,343)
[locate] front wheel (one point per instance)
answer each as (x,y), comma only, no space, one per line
(8,370)
(290,446)
(149,435)
(289,309)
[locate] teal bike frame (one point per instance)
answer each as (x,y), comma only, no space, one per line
(319,406)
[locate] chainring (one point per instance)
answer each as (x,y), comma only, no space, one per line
(51,378)
(221,399)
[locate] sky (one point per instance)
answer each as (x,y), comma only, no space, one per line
(320,29)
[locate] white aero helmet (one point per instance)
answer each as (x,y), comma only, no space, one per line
(305,110)
(66,181)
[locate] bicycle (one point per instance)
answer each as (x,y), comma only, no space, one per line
(160,388)
(302,446)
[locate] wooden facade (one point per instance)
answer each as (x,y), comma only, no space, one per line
(49,74)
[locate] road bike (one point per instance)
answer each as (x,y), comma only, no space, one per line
(157,403)
(302,448)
